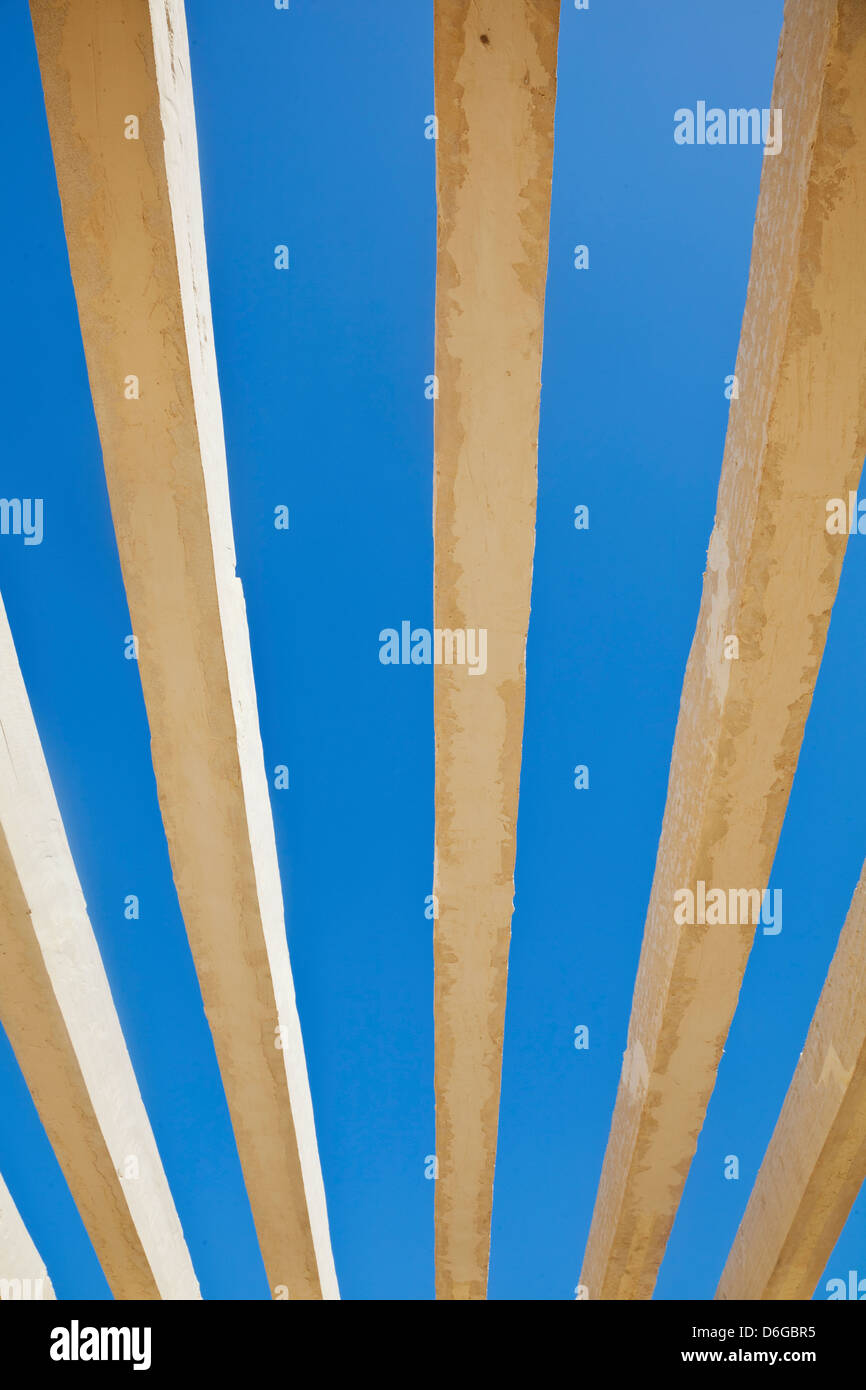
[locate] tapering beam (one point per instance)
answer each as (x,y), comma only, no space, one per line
(495,90)
(58,1013)
(815,1163)
(22,1270)
(796,437)
(118,93)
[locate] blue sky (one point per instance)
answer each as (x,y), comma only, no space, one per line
(311,133)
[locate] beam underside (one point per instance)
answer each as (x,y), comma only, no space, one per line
(495,73)
(796,437)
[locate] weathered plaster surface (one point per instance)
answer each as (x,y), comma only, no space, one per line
(495,92)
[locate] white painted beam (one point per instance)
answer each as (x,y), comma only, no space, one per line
(134,227)
(58,1013)
(22,1270)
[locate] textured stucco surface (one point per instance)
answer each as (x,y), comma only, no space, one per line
(796,437)
(134,226)
(495,91)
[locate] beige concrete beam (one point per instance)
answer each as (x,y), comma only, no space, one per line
(815,1162)
(58,1013)
(118,94)
(796,437)
(495,92)
(22,1270)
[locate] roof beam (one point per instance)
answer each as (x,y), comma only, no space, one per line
(134,227)
(796,437)
(815,1163)
(58,1013)
(495,89)
(22,1269)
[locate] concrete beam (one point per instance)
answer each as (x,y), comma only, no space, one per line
(22,1270)
(495,92)
(796,438)
(815,1163)
(59,1016)
(118,94)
